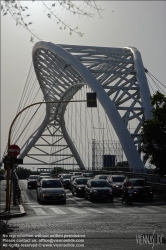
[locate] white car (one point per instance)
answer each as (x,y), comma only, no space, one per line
(51,190)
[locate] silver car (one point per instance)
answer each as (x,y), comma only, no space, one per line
(51,190)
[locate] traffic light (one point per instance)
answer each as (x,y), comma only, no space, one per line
(91,100)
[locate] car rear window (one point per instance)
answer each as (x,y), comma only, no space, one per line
(33,177)
(138,182)
(51,184)
(99,184)
(118,178)
(66,176)
(82,181)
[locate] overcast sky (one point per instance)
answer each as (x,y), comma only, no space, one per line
(141,24)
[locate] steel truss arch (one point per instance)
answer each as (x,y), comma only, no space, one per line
(116,74)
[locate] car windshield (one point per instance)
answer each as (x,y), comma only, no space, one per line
(89,175)
(82,181)
(118,178)
(99,184)
(138,182)
(74,177)
(66,176)
(103,177)
(33,176)
(51,184)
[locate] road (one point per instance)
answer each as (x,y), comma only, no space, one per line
(98,225)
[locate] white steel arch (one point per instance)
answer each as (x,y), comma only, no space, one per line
(116,74)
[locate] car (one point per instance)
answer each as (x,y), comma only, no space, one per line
(101,176)
(98,189)
(116,182)
(92,175)
(2,177)
(65,180)
(141,189)
(51,190)
(77,173)
(32,181)
(45,174)
(42,177)
(79,186)
(72,178)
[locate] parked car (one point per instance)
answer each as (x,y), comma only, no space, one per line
(72,178)
(51,190)
(116,182)
(32,181)
(101,176)
(79,186)
(65,180)
(92,175)
(141,189)
(98,189)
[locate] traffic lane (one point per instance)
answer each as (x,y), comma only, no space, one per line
(109,232)
(28,195)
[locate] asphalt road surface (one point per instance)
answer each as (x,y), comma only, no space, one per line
(81,224)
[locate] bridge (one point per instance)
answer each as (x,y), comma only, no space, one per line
(66,134)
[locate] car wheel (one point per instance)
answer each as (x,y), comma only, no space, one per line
(73,191)
(86,196)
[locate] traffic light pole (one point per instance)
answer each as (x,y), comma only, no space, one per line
(9,137)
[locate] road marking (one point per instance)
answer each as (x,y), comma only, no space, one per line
(39,211)
(73,199)
(76,210)
(57,210)
(94,210)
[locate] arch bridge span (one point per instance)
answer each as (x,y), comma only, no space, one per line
(117,75)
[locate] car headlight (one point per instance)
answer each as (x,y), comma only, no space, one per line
(116,186)
(79,188)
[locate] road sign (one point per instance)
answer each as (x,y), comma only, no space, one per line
(13,150)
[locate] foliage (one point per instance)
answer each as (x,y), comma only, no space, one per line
(21,13)
(2,171)
(23,173)
(153,134)
(123,164)
(57,170)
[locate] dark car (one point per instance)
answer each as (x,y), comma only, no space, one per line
(141,189)
(79,186)
(98,189)
(101,176)
(65,180)
(91,175)
(32,181)
(72,178)
(116,182)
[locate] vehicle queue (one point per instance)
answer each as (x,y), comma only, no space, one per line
(90,186)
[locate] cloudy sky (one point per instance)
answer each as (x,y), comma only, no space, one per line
(141,24)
